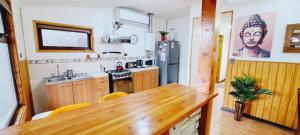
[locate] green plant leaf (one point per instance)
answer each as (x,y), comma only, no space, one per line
(250,97)
(163,33)
(264,91)
(245,89)
(235,94)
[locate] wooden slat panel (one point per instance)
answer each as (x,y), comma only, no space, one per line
(233,74)
(263,84)
(227,84)
(278,92)
(292,111)
(271,87)
(246,71)
(287,89)
(257,76)
(283,79)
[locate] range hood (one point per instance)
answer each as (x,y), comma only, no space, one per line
(116,39)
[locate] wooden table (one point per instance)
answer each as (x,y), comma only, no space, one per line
(153,111)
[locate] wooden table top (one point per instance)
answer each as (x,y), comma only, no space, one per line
(149,112)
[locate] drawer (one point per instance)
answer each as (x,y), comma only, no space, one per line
(101,82)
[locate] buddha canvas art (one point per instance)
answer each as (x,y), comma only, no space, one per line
(253,35)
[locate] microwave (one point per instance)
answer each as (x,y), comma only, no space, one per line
(150,62)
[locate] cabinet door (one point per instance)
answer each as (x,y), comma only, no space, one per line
(83,91)
(138,81)
(146,80)
(60,95)
(153,81)
(101,86)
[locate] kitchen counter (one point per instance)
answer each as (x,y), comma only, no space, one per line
(90,75)
(142,69)
(153,111)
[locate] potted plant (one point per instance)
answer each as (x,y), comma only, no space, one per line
(163,35)
(244,90)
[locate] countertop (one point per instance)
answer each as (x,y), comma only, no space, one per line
(90,75)
(99,74)
(142,69)
(152,111)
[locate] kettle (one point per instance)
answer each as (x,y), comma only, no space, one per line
(119,66)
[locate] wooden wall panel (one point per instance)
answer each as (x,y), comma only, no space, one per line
(227,85)
(283,79)
(257,76)
(263,84)
(277,93)
(246,71)
(233,74)
(287,88)
(271,86)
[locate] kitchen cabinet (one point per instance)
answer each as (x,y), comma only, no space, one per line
(60,95)
(101,86)
(154,78)
(145,80)
(81,91)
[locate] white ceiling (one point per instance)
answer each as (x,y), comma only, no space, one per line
(237,1)
(163,8)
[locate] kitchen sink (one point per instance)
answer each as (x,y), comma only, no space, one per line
(57,79)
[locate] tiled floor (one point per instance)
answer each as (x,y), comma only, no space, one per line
(224,124)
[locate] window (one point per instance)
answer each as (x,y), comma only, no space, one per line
(53,36)
(8,99)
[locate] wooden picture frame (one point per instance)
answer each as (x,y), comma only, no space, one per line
(288,47)
(42,28)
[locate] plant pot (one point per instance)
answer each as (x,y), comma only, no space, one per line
(163,37)
(238,112)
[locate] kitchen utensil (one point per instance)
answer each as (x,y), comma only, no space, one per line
(139,63)
(130,65)
(119,66)
(69,74)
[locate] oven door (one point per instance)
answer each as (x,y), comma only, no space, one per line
(123,85)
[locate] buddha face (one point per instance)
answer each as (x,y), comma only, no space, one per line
(252,37)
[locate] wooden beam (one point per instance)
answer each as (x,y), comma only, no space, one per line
(206,71)
(206,56)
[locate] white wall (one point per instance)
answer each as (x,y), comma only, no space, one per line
(98,18)
(181,26)
(287,13)
(16,10)
(194,49)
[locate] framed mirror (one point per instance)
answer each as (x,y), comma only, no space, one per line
(292,39)
(55,37)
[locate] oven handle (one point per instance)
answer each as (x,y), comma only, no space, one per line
(129,79)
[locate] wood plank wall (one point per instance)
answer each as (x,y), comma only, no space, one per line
(283,79)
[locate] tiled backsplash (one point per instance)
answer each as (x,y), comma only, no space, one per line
(45,61)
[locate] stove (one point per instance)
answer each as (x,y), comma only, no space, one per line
(119,74)
(120,81)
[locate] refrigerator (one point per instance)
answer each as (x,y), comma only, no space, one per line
(167,59)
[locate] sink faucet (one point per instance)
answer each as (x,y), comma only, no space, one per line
(57,67)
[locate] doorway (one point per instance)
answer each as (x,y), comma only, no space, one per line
(224,45)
